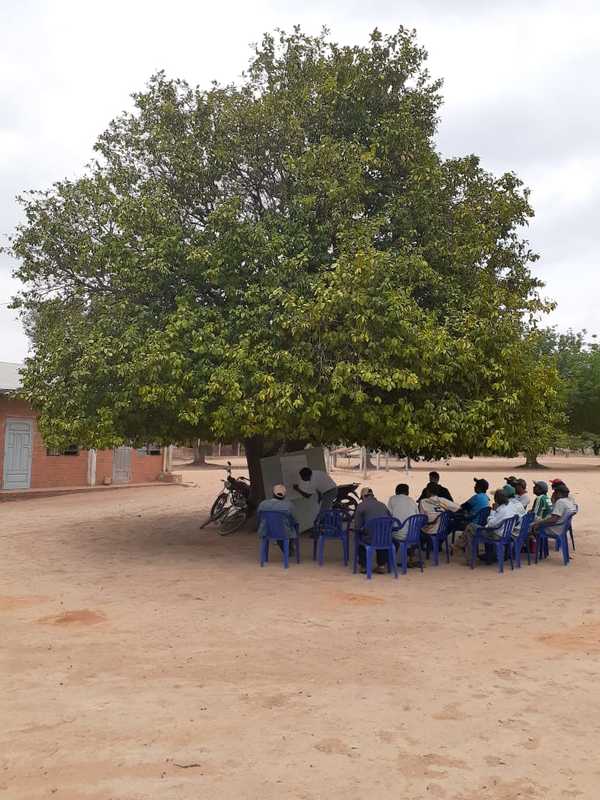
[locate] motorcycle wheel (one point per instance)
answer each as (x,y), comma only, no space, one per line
(232,521)
(218,506)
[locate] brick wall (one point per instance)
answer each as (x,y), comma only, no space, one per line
(47,472)
(145,467)
(51,472)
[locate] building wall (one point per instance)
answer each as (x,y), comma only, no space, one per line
(52,472)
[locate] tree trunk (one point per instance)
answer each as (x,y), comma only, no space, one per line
(254,447)
(199,453)
(531,461)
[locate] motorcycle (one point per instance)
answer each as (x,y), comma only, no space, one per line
(231,508)
(347,499)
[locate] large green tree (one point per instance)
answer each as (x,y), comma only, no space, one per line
(287,259)
(577,358)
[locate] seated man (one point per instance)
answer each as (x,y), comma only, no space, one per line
(562,505)
(514,504)
(318,483)
(501,511)
(432,505)
(542,505)
(471,507)
(521,490)
(369,508)
(279,502)
(400,505)
(557,482)
(434,477)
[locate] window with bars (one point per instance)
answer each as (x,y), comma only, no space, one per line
(71,450)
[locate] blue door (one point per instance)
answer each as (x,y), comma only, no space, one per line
(18,441)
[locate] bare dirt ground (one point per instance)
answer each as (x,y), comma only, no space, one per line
(143,658)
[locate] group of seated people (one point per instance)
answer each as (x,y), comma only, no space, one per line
(512,500)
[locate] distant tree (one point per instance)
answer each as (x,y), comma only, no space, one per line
(284,261)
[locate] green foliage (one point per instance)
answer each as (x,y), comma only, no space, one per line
(288,258)
(578,363)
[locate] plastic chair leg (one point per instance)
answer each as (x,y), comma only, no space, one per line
(447,551)
(474,549)
(321,550)
(369,559)
(565,549)
(286,553)
(392,561)
(404,557)
(500,557)
(436,551)
(572,538)
(315,544)
(345,548)
(297,543)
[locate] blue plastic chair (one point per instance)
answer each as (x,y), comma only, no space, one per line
(277,527)
(379,533)
(571,528)
(414,526)
(562,540)
(504,542)
(480,519)
(434,540)
(332,524)
(522,539)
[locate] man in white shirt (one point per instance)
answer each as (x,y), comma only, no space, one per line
(315,482)
(501,511)
(432,506)
(402,506)
(521,490)
(515,504)
(563,505)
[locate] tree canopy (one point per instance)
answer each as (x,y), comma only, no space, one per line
(285,258)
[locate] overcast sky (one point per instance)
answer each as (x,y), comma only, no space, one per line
(521,87)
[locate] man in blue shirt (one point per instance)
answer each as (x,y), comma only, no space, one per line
(478,501)
(279,502)
(471,507)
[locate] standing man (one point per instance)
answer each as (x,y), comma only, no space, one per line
(441,491)
(315,482)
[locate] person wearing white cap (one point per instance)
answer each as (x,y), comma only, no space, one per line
(279,502)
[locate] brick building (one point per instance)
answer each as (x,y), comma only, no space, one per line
(26,463)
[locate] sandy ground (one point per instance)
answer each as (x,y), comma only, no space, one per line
(143,658)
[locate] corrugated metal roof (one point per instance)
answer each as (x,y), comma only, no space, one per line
(9,376)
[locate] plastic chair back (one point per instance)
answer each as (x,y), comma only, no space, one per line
(414,526)
(332,523)
(445,525)
(277,524)
(482,516)
(379,531)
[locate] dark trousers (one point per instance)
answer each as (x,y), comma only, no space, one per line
(381,555)
(292,546)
